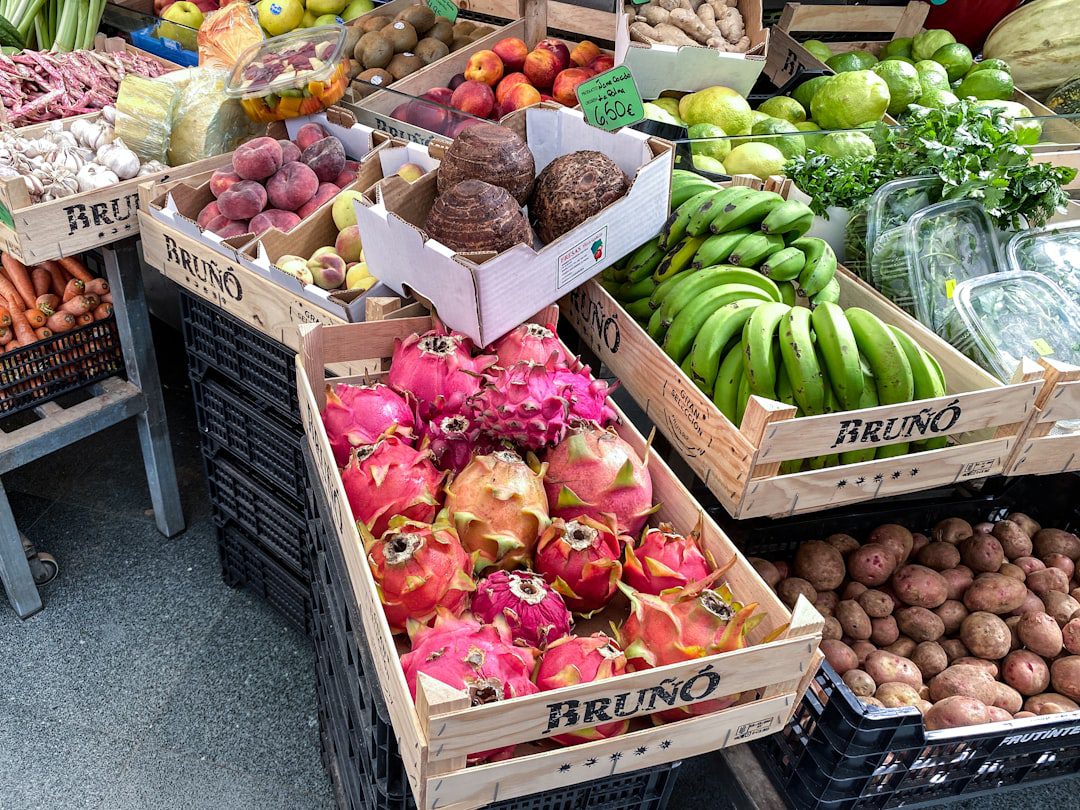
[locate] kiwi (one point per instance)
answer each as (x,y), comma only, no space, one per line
(481,31)
(355,68)
(375,23)
(460,41)
(402,35)
(403,64)
(429,50)
(443,31)
(463,27)
(362,43)
(374,76)
(378,53)
(420,17)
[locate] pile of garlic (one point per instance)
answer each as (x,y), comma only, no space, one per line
(61,162)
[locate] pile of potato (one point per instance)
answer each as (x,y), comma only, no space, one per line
(973,624)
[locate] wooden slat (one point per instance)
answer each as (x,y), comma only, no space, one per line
(1044,448)
(905,20)
(589,22)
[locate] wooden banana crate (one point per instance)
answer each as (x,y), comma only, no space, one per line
(437,732)
(1051,444)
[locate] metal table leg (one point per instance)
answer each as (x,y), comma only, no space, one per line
(14,567)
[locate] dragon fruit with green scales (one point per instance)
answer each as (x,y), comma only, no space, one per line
(529,342)
(572,660)
(665,559)
(390,478)
(358,415)
(580,560)
(437,368)
(535,614)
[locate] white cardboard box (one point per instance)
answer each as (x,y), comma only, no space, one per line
(485,299)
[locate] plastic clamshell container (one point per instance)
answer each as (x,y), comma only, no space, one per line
(897,201)
(1012,315)
(298,73)
(1053,251)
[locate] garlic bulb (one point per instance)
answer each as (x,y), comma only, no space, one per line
(92,176)
(33,147)
(152,167)
(109,114)
(91,134)
(34,186)
(122,161)
(65,157)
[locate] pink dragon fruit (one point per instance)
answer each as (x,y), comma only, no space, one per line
(665,559)
(683,624)
(390,478)
(420,567)
(534,613)
(435,367)
(498,506)
(571,660)
(594,472)
(522,404)
(477,658)
(454,438)
(580,560)
(586,396)
(529,342)
(356,415)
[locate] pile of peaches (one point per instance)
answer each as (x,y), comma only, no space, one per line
(507,78)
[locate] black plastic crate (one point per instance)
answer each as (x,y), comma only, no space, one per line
(262,441)
(282,529)
(244,564)
(261,365)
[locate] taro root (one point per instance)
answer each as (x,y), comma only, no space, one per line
(573,188)
(491,153)
(474,217)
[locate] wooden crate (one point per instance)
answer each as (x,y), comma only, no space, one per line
(1046,446)
(437,732)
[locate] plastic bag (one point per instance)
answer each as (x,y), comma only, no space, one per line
(227,33)
(207,123)
(144,114)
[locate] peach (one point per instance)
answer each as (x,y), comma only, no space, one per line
(209,212)
(221,180)
(604,61)
(427,116)
(274,218)
(562,53)
(564,89)
(410,172)
(257,159)
(485,67)
(348,244)
(242,200)
(522,95)
(541,68)
(347,176)
(455,80)
(292,186)
(584,53)
(440,95)
(326,158)
(508,83)
(225,227)
(295,266)
(326,192)
(512,51)
(328,270)
(289,151)
(309,134)
(475,98)
(456,128)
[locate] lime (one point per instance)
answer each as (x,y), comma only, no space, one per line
(955,58)
(1027,128)
(758,159)
(903,81)
(903,59)
(932,75)
(818,49)
(717,105)
(924,44)
(790,145)
(804,93)
(280,16)
(987,84)
(715,149)
(809,127)
(783,107)
(852,60)
(937,97)
(850,99)
(991,64)
(847,145)
(897,47)
(704,163)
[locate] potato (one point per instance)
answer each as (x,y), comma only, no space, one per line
(920,624)
(1055,541)
(854,620)
(989,667)
(839,655)
(1056,560)
(963,679)
(1011,623)
(951,530)
(954,712)
(1024,522)
(852,590)
(918,542)
(1031,604)
(896,538)
(986,527)
(766,570)
(930,659)
(877,604)
(884,667)
(819,564)
(844,543)
(832,629)
(957,581)
(790,589)
(1049,703)
(826,603)
(994,593)
(982,552)
(1061,606)
(924,706)
(871,564)
(924,692)
(1023,714)
(883,631)
(860,683)
(952,613)
(1049,579)
(862,649)
(894,695)
(1040,633)
(1025,672)
(1070,636)
(998,715)
(1065,675)
(918,586)
(903,647)
(872,701)
(1029,564)
(783,568)
(954,648)
(1015,542)
(939,556)
(1014,571)
(986,635)
(1008,698)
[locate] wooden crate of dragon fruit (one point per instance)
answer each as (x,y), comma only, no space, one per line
(540,593)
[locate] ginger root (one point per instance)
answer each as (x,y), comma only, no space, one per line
(691,24)
(671,5)
(643,32)
(673,35)
(730,23)
(653,15)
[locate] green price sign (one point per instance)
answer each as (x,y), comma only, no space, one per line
(611,100)
(444,8)
(5,216)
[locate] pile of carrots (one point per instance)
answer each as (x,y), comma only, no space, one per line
(48,299)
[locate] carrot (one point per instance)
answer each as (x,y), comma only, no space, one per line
(20,277)
(6,336)
(23,332)
(76,268)
(57,279)
(73,288)
(41,280)
(78,305)
(35,317)
(97,286)
(92,300)
(61,321)
(102,311)
(107,298)
(8,291)
(48,303)
(5,317)
(85,318)
(43,332)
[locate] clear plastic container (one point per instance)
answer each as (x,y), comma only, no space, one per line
(888,207)
(1053,251)
(298,73)
(1012,315)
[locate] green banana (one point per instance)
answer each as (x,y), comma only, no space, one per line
(820,267)
(665,287)
(675,227)
(830,294)
(929,383)
(758,346)
(639,310)
(678,258)
(633,291)
(685,184)
(755,248)
(787,293)
(888,363)
(612,287)
(792,215)
(726,388)
(741,399)
(617,273)
(702,214)
(704,279)
(867,400)
(716,248)
(892,450)
(683,331)
(746,211)
(713,337)
(784,264)
(838,348)
(643,261)
(801,362)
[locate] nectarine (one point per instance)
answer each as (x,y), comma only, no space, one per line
(508,83)
(562,53)
(565,87)
(604,61)
(584,53)
(485,67)
(541,68)
(520,95)
(475,98)
(512,51)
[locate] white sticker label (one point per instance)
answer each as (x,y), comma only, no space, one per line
(583,257)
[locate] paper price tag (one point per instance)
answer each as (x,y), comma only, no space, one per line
(611,100)
(950,287)
(1042,347)
(444,8)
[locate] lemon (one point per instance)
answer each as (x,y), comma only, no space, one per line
(991,64)
(937,97)
(791,145)
(903,81)
(721,106)
(758,159)
(701,146)
(783,107)
(280,16)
